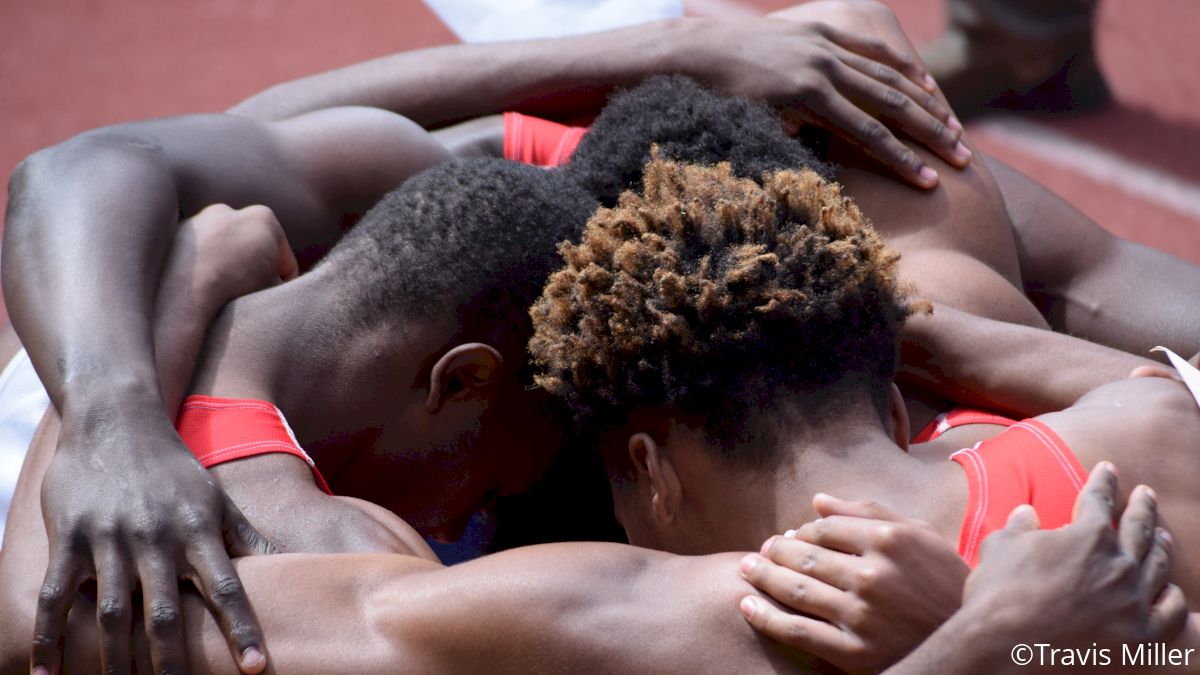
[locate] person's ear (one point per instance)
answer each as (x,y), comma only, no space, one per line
(463,372)
(901,432)
(654,464)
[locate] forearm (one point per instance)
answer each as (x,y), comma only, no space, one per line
(968,642)
(439,85)
(1094,284)
(81,268)
(1003,366)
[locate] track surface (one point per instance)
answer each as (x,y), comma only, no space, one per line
(71,65)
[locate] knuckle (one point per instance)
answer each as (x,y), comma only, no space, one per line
(163,618)
(866,578)
(858,618)
(887,537)
(885,74)
(43,642)
(112,612)
(797,594)
(51,595)
(822,60)
(148,529)
(197,522)
(227,588)
(872,130)
(808,563)
(794,632)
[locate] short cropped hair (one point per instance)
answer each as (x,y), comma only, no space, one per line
(689,123)
(713,296)
(475,237)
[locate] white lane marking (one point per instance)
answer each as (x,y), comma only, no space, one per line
(1092,161)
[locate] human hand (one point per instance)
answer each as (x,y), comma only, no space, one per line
(872,583)
(126,503)
(855,84)
(226,253)
(1084,584)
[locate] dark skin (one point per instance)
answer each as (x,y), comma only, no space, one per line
(596,598)
(1082,586)
(92,343)
(352,190)
(589,590)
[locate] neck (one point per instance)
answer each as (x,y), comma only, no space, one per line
(288,345)
(851,463)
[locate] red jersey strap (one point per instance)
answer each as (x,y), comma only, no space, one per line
(1026,464)
(532,140)
(219,430)
(957,418)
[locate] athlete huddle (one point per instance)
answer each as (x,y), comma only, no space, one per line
(736,322)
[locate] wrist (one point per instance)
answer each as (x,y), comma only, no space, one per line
(100,405)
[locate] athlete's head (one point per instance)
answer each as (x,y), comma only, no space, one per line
(451,261)
(713,321)
(689,123)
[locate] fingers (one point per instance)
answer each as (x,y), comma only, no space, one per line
(828,505)
(1097,502)
(872,137)
(241,539)
(1156,567)
(1169,614)
(1135,534)
(908,108)
(879,50)
(226,599)
(831,567)
(161,614)
(797,591)
(54,603)
(809,635)
(288,267)
(847,534)
(114,613)
(1023,518)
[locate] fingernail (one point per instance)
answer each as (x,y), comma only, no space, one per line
(790,534)
(1150,493)
(748,564)
(929,82)
(767,545)
(1168,540)
(41,670)
(954,125)
(252,657)
(928,176)
(962,153)
(1112,468)
(748,606)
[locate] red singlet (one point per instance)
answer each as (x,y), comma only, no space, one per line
(219,430)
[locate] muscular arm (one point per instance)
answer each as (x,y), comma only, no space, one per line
(88,225)
(1093,284)
(1004,366)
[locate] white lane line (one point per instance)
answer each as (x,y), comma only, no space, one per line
(719,9)
(1092,161)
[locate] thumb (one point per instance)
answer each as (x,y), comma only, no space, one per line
(241,538)
(828,505)
(1024,518)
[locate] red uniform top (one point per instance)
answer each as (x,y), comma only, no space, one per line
(532,140)
(1026,464)
(219,430)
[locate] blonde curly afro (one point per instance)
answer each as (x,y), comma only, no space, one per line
(711,295)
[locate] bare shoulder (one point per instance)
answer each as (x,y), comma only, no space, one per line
(1129,418)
